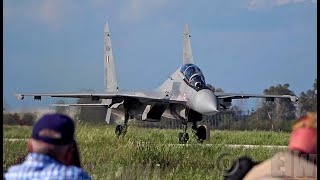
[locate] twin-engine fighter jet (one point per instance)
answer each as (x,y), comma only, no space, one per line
(183,96)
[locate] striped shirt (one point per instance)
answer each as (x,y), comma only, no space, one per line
(44,167)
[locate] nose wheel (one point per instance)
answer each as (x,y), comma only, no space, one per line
(121,130)
(184,136)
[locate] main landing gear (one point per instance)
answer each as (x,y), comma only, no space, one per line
(199,132)
(122,129)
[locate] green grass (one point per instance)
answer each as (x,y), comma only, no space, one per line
(16,131)
(145,153)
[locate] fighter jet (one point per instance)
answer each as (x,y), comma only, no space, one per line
(184,95)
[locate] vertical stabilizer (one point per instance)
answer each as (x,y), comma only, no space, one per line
(110,78)
(187,52)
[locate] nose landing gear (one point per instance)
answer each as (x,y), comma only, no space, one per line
(184,136)
(200,133)
(121,130)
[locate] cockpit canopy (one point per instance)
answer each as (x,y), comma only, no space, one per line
(194,76)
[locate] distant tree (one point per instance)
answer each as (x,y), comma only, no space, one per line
(235,109)
(212,88)
(28,119)
(308,101)
(9,119)
(281,108)
(219,90)
(16,117)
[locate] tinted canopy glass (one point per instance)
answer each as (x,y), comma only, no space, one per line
(193,75)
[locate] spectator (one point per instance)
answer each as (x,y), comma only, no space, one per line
(53,152)
(299,162)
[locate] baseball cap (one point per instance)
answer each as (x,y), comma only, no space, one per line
(304,135)
(56,129)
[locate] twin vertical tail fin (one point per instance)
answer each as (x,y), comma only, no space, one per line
(187,58)
(110,78)
(187,52)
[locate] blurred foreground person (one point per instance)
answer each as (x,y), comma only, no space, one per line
(53,152)
(299,162)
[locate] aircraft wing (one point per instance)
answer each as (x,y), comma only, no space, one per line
(81,105)
(222,95)
(143,96)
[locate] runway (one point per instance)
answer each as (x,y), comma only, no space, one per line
(232,145)
(13,139)
(187,145)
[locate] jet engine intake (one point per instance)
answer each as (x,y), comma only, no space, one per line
(178,111)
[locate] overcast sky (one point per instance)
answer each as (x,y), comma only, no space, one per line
(242,46)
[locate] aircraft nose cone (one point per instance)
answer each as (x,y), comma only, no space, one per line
(205,102)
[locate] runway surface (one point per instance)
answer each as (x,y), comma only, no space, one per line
(14,139)
(208,145)
(232,145)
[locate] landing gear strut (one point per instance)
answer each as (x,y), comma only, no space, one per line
(122,129)
(199,132)
(184,136)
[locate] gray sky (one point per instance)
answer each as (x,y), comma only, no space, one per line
(241,46)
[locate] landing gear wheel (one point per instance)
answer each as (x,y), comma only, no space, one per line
(120,130)
(201,134)
(200,140)
(183,137)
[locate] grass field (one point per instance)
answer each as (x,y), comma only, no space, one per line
(147,153)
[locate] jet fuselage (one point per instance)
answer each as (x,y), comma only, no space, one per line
(186,83)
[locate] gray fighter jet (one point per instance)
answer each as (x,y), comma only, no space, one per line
(183,96)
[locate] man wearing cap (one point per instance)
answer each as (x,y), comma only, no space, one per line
(53,152)
(300,161)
